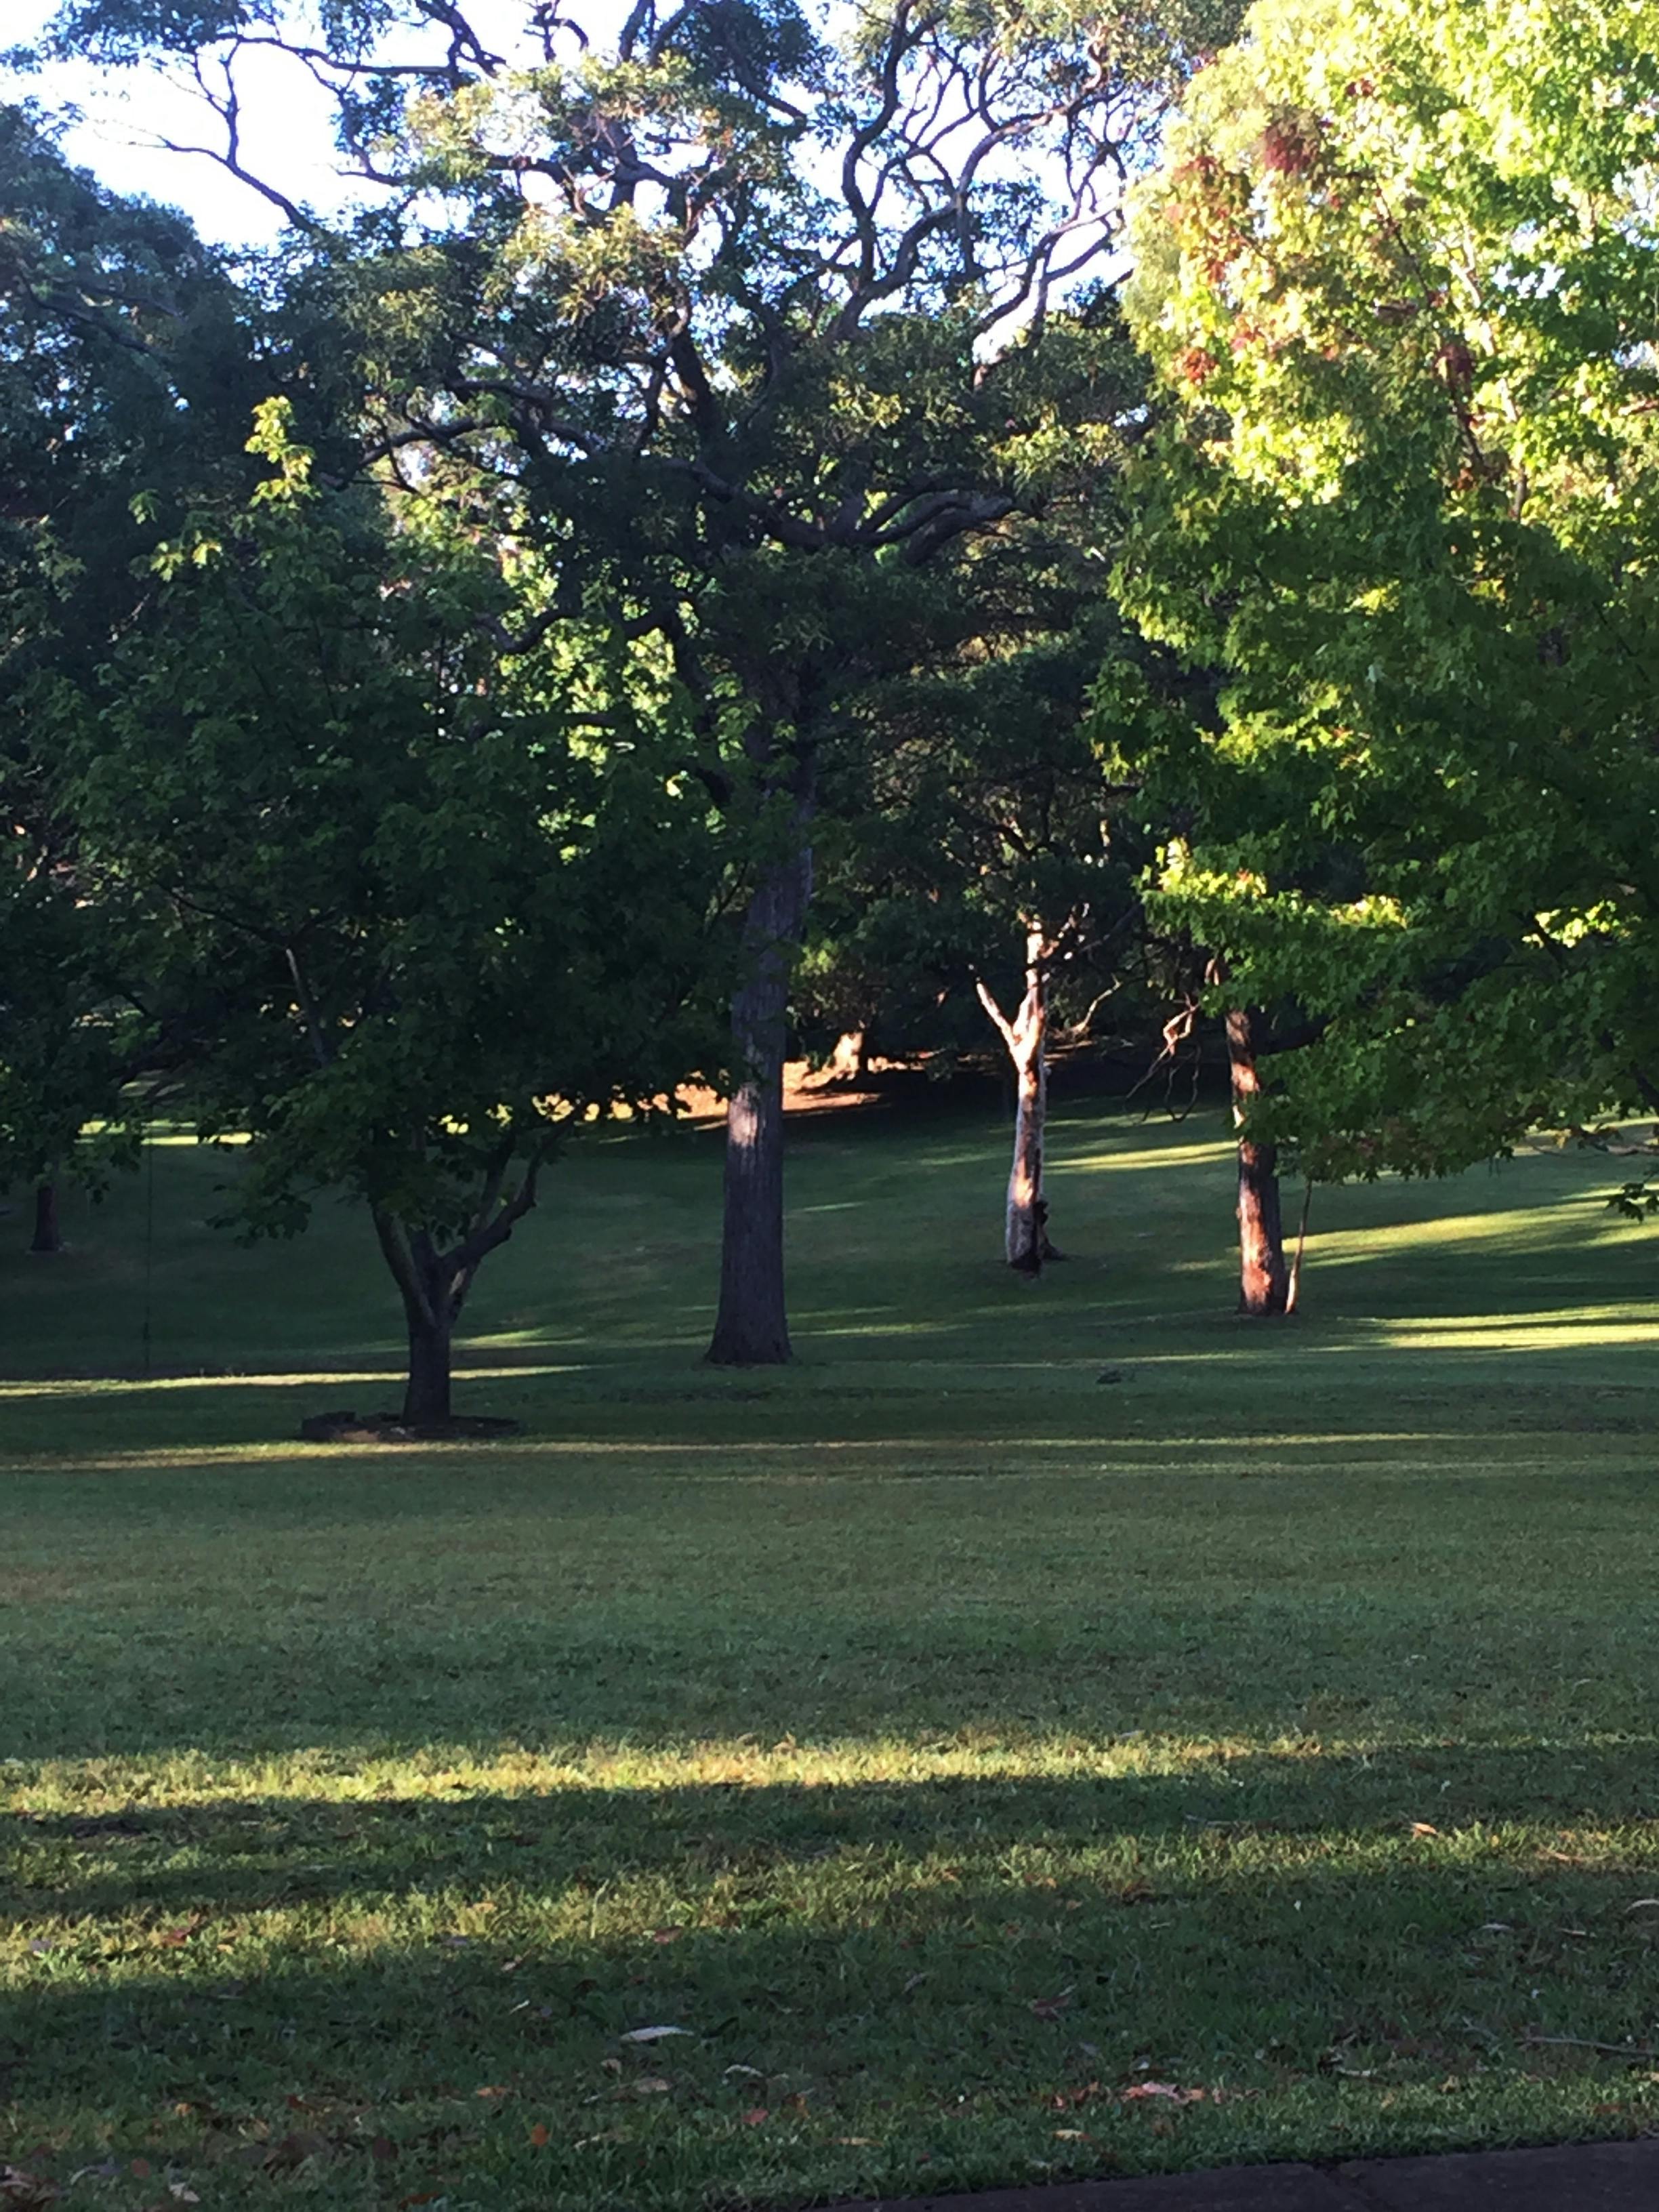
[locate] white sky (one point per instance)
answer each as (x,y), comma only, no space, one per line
(286,132)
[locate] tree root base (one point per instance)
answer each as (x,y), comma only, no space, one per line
(352,1428)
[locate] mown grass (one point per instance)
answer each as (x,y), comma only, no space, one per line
(955,1741)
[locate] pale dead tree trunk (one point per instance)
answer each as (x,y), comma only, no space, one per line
(1264,1279)
(48,1237)
(850,1059)
(1025,1227)
(751,1326)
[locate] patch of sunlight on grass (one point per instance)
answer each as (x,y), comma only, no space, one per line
(1542,1332)
(332,1378)
(1213,1153)
(1524,1228)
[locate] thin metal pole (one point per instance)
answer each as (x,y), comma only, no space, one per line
(149,1234)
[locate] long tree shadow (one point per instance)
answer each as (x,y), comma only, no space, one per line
(401,1988)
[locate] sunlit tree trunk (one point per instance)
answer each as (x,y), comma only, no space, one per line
(751,1326)
(48,1237)
(849,1062)
(1025,1219)
(1264,1279)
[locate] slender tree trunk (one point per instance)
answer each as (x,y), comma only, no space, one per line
(850,1059)
(1025,1219)
(48,1237)
(433,1283)
(426,1393)
(1025,1235)
(1264,1279)
(433,1292)
(752,1327)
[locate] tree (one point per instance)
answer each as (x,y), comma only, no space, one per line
(719,312)
(421,900)
(1396,274)
(121,341)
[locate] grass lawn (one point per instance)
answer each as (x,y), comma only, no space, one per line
(1035,1700)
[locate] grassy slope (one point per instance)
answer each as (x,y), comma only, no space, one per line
(954,1740)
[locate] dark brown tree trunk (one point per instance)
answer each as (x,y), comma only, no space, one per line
(426,1393)
(48,1237)
(433,1283)
(1264,1279)
(751,1326)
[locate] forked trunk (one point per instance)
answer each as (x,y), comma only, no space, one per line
(1264,1279)
(48,1237)
(1025,1241)
(752,1327)
(426,1393)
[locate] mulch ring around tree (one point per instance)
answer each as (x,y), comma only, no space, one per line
(352,1428)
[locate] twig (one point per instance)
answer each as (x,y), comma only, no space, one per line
(1584,2043)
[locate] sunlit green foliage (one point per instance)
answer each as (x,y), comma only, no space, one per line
(1397,272)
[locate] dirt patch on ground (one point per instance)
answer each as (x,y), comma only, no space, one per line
(348,1427)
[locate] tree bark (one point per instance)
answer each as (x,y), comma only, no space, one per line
(751,1326)
(1025,1240)
(1264,1279)
(433,1283)
(426,1393)
(48,1237)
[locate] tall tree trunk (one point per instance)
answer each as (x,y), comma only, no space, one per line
(48,1237)
(1264,1279)
(432,1290)
(751,1326)
(426,1392)
(1025,1219)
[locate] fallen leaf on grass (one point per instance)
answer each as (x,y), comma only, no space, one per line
(1051,2007)
(1167,2090)
(140,2167)
(652,2086)
(294,2150)
(1423,1828)
(182,2193)
(1071,2135)
(854,2142)
(653,2035)
(491,2089)
(666,1935)
(24,2192)
(755,2115)
(1062,2099)
(540,2136)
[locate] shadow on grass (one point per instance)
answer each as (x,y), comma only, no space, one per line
(237,1855)
(951,1969)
